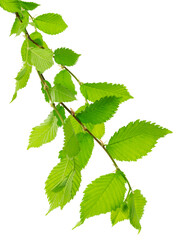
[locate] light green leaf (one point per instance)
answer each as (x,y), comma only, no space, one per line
(50,23)
(45,132)
(19,26)
(99,111)
(42,59)
(59,93)
(71,143)
(120,214)
(61,110)
(95,91)
(136,203)
(10,5)
(64,78)
(103,195)
(36,37)
(65,56)
(62,183)
(22,79)
(29,5)
(135,140)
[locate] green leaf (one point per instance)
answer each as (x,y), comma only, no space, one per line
(62,113)
(103,195)
(64,78)
(45,132)
(62,183)
(136,203)
(19,26)
(42,59)
(29,5)
(22,79)
(120,214)
(10,5)
(59,93)
(65,56)
(99,111)
(43,90)
(36,37)
(71,143)
(95,91)
(50,23)
(97,130)
(135,140)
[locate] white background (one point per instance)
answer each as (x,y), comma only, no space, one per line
(129,42)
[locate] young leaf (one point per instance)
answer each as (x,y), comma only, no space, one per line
(43,90)
(50,23)
(136,203)
(103,195)
(135,140)
(62,113)
(19,26)
(59,93)
(120,214)
(22,79)
(45,132)
(36,37)
(71,144)
(99,111)
(42,59)
(64,78)
(95,91)
(10,5)
(65,56)
(62,183)
(28,5)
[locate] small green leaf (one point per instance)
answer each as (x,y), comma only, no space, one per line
(19,26)
(62,183)
(120,214)
(135,140)
(71,143)
(97,130)
(136,203)
(65,56)
(10,5)
(22,79)
(45,132)
(64,78)
(29,5)
(99,111)
(50,23)
(61,110)
(95,91)
(43,90)
(59,93)
(42,59)
(103,195)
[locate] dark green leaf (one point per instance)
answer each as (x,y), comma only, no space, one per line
(65,56)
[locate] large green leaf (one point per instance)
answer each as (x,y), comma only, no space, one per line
(103,195)
(71,143)
(99,111)
(59,93)
(120,214)
(62,183)
(42,59)
(64,78)
(50,23)
(28,5)
(22,79)
(45,132)
(136,203)
(10,5)
(135,140)
(19,26)
(65,56)
(95,91)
